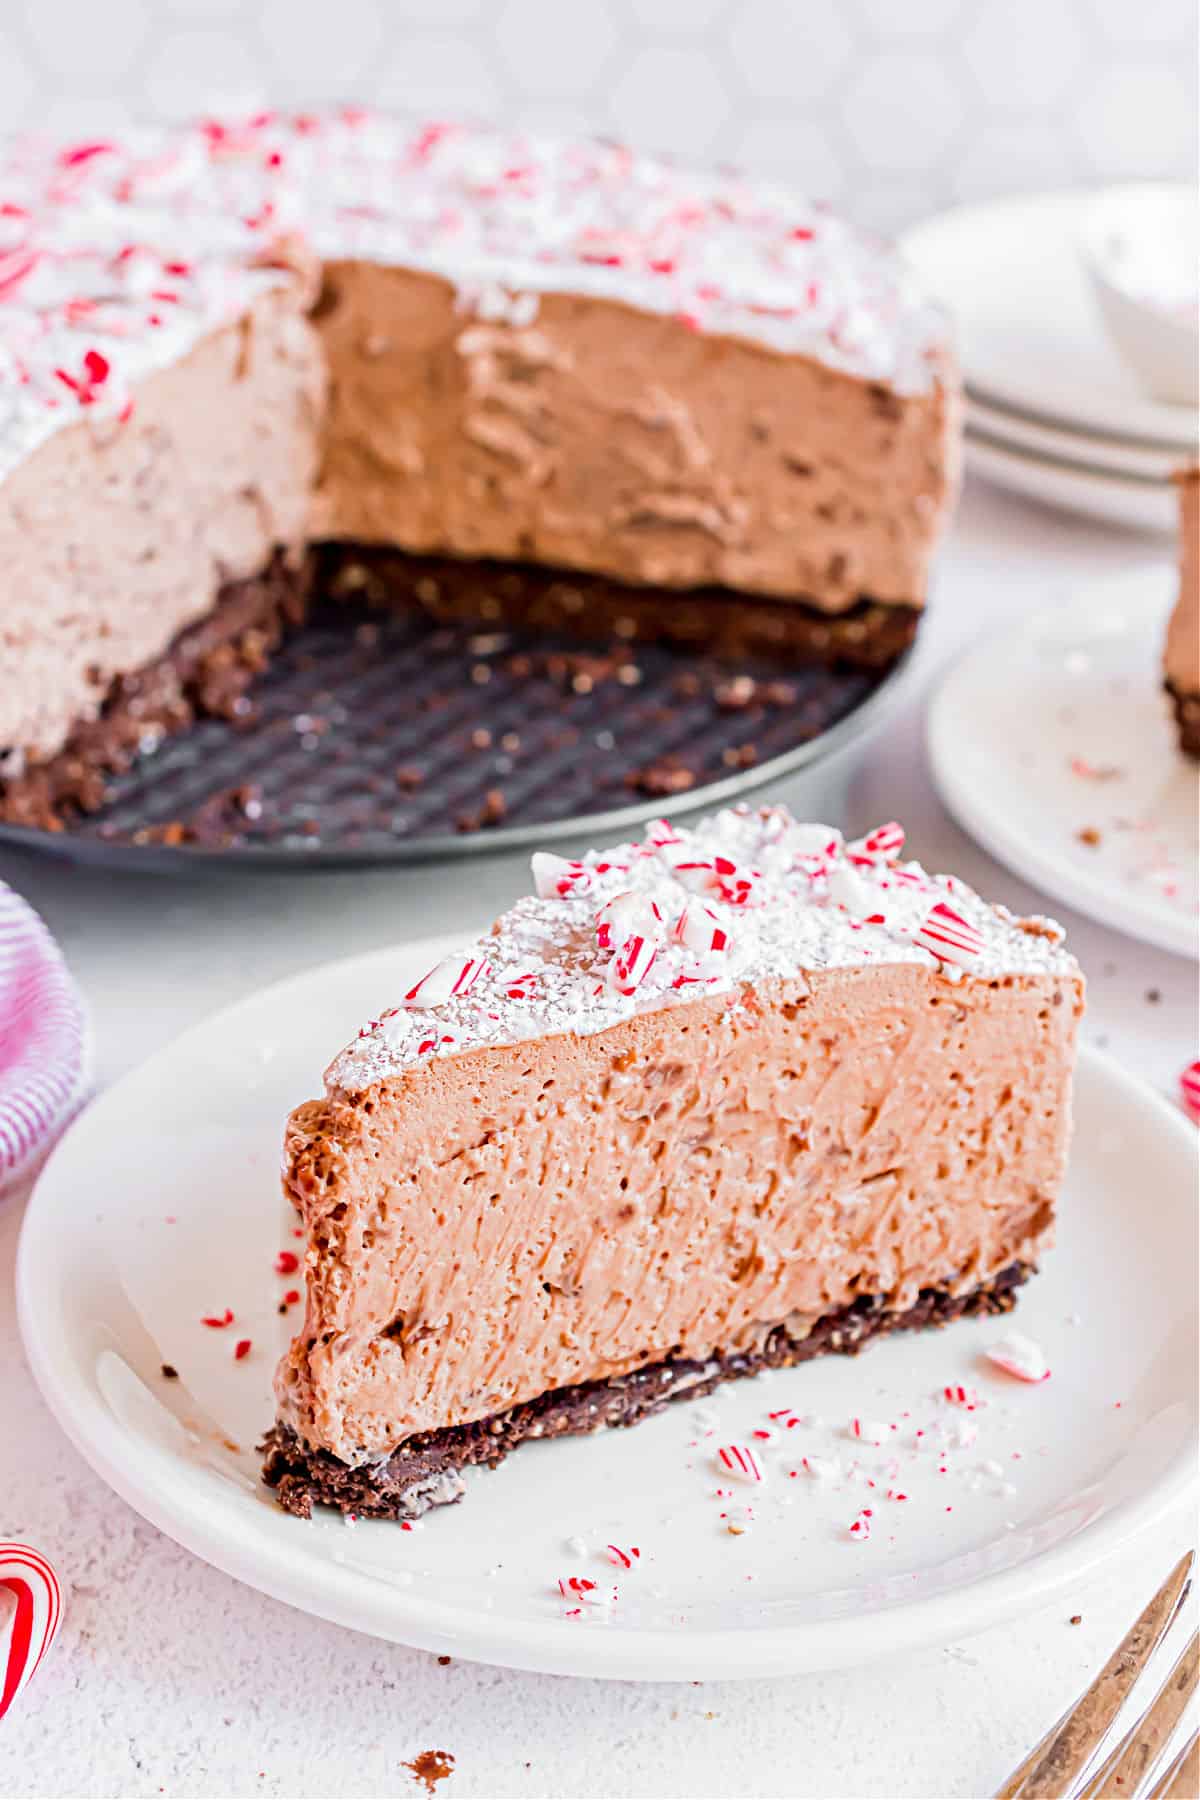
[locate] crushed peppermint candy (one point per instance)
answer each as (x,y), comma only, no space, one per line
(847,889)
(821,1468)
(625,916)
(554,877)
(698,928)
(1019,1356)
(814,848)
(632,963)
(860,1527)
(746,874)
(883,845)
(950,937)
(624,1559)
(870,1431)
(740,1461)
(454,975)
(1189,1089)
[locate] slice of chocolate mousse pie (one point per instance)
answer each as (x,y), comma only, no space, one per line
(715,1102)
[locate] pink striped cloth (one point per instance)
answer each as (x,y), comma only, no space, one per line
(44,1040)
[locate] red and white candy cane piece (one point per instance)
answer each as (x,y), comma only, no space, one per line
(1019,1356)
(624,1559)
(624,916)
(453,976)
(1189,1089)
(948,936)
(958,1395)
(698,928)
(740,1461)
(34,1587)
(814,847)
(690,867)
(868,1431)
(847,889)
(883,845)
(554,877)
(632,963)
(821,1468)
(737,885)
(660,832)
(860,1528)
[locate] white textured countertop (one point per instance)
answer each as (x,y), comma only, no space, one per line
(171,1678)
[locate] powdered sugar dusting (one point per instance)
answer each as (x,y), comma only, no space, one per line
(118,254)
(544,970)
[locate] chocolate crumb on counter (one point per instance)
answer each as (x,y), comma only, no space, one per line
(430,1767)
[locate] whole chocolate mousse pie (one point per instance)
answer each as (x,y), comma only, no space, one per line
(722,1100)
(1181,653)
(465,373)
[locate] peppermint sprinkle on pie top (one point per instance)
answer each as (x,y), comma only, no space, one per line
(745,896)
(118,254)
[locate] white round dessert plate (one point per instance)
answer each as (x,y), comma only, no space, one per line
(161,1208)
(1133,502)
(1053,745)
(1091,452)
(1031,335)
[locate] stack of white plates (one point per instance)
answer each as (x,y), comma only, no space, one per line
(1052,410)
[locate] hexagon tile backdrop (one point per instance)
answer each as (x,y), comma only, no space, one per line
(888,108)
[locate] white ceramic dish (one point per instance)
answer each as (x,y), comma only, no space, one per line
(1071,486)
(160,1206)
(1141,247)
(1059,726)
(1030,332)
(1099,455)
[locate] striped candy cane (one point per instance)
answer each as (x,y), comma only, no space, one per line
(883,845)
(948,936)
(453,976)
(34,1586)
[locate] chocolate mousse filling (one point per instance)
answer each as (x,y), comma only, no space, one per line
(426,1471)
(211,667)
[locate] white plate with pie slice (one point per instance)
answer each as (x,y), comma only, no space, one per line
(161,1208)
(1053,744)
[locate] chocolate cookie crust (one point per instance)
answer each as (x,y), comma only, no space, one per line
(205,674)
(427,1470)
(525,596)
(210,668)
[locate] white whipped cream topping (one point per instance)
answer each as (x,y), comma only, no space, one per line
(545,972)
(130,249)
